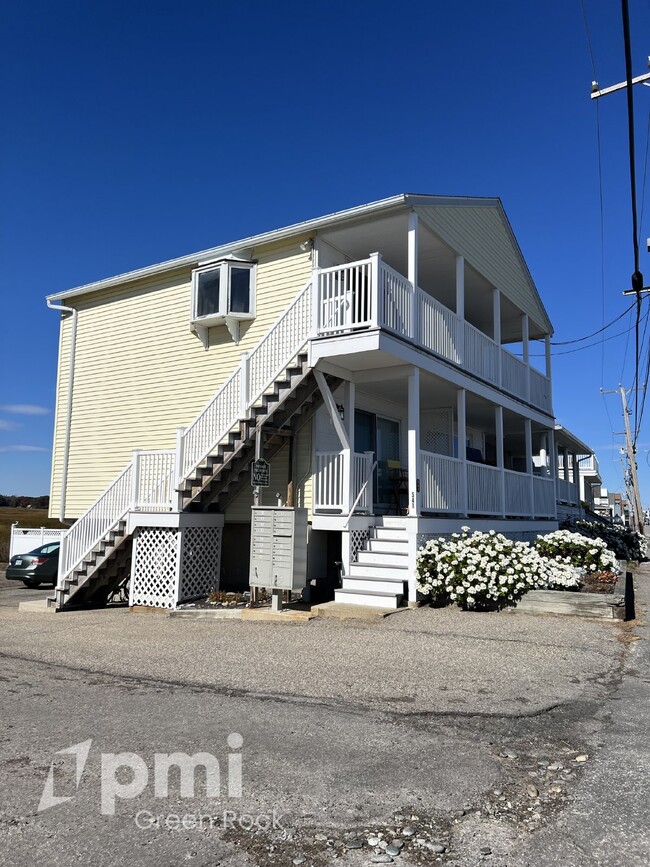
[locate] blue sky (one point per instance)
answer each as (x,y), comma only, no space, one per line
(135,132)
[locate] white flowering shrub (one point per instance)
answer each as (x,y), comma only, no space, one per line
(486,570)
(625,542)
(574,549)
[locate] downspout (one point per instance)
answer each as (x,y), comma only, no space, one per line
(68,417)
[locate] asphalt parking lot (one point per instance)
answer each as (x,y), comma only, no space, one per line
(345,726)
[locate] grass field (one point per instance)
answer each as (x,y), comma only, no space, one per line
(25,518)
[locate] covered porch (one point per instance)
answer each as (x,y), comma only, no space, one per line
(389,443)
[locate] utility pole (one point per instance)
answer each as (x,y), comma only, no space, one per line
(631,456)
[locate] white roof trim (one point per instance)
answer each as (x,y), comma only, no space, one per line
(562,434)
(276,235)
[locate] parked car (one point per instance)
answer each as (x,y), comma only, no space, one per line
(39,566)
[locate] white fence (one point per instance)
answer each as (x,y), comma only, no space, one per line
(544,503)
(24,539)
(370,293)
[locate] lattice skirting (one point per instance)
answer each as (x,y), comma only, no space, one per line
(171,564)
(153,569)
(358,539)
(200,558)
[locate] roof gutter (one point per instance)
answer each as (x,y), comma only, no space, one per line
(68,414)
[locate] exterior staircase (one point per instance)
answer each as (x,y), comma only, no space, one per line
(293,399)
(379,577)
(104,566)
(273,385)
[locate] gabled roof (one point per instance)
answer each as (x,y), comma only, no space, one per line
(476,228)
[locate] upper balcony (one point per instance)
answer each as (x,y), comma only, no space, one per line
(369,294)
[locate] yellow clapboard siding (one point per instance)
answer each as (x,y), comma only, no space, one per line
(140,373)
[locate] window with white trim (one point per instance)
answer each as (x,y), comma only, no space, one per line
(223,293)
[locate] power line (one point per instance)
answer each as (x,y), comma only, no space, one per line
(591,345)
(593,333)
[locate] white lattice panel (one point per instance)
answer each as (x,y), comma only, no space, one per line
(153,572)
(358,539)
(199,562)
(435,435)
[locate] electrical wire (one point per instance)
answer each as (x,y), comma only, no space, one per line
(591,345)
(593,333)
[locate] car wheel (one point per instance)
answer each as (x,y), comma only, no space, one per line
(30,584)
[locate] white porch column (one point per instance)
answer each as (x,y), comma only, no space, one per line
(315,301)
(413,232)
(528,434)
(496,328)
(498,426)
(348,420)
(461,408)
(552,451)
(414,441)
(526,350)
(543,455)
(460,304)
(576,478)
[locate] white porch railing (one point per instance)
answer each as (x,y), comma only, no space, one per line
(481,354)
(344,297)
(154,479)
(518,493)
(371,294)
(568,492)
(544,505)
(328,480)
(361,494)
(440,328)
(514,374)
(440,483)
(484,489)
(540,390)
(93,525)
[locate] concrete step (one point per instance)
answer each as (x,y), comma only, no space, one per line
(381,558)
(376,600)
(364,583)
(391,521)
(372,570)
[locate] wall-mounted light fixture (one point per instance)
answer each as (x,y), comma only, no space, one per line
(307,246)
(341,411)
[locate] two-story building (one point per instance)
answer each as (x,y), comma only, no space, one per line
(379,358)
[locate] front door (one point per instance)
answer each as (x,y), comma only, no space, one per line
(374,433)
